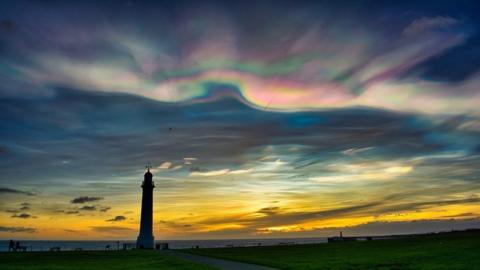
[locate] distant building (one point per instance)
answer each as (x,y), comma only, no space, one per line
(145,238)
(341,239)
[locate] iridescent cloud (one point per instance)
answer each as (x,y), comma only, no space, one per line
(327,65)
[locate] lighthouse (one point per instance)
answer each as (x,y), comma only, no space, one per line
(145,237)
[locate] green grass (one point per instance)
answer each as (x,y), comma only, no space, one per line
(452,251)
(92,260)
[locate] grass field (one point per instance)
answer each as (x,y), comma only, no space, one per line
(92,260)
(452,251)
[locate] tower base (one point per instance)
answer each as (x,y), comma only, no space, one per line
(145,242)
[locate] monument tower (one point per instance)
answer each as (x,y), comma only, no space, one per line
(145,237)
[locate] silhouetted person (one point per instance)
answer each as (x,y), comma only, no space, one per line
(11,245)
(17,246)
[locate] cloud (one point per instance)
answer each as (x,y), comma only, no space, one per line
(85,199)
(242,171)
(189,160)
(277,217)
(354,151)
(195,169)
(165,165)
(269,210)
(17,229)
(88,208)
(464,215)
(274,216)
(173,225)
(426,24)
(301,73)
(378,228)
(104,208)
(209,173)
(398,207)
(176,167)
(117,218)
(361,172)
(71,231)
(111,229)
(409,227)
(470,125)
(23,215)
(67,212)
(198,172)
(23,207)
(15,191)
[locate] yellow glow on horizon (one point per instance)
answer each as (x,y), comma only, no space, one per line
(84,227)
(252,202)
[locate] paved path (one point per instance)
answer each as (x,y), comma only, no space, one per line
(218,263)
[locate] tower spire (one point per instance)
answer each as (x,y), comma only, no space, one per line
(148,166)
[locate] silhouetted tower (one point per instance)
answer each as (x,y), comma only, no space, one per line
(145,237)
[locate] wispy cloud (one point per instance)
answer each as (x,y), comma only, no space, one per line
(5,190)
(23,216)
(219,172)
(88,208)
(210,173)
(85,199)
(189,160)
(427,24)
(165,165)
(112,229)
(18,229)
(354,151)
(117,218)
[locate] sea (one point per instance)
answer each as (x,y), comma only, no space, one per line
(46,245)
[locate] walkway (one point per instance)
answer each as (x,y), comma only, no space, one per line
(218,263)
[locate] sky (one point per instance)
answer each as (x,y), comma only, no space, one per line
(261,119)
